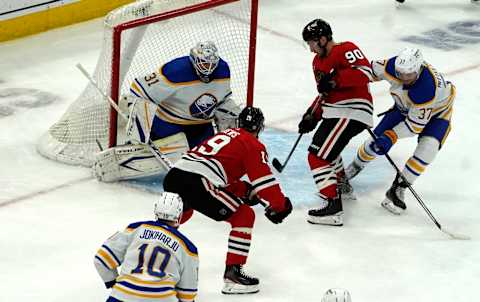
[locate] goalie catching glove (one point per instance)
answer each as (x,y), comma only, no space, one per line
(278,217)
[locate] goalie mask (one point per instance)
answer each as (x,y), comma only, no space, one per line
(204,57)
(337,295)
(251,119)
(169,207)
(408,65)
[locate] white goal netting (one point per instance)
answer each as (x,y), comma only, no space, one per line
(144,48)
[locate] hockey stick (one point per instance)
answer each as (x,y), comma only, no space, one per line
(279,166)
(275,162)
(417,197)
(163,160)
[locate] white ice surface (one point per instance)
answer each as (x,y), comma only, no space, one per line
(54,218)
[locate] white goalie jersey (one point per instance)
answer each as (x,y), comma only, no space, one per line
(430,96)
(157,262)
(180,95)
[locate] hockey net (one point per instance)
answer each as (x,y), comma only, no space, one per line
(138,39)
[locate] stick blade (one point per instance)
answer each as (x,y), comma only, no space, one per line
(277,165)
(455,236)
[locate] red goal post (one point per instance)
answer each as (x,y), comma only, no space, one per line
(138,39)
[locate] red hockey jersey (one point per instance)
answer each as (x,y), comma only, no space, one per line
(351,96)
(227,156)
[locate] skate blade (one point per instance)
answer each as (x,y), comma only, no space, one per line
(231,288)
(334,220)
(389,206)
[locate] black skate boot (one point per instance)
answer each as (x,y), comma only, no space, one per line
(352,170)
(238,282)
(395,197)
(331,214)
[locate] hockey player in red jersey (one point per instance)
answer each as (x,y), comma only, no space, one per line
(208,180)
(344,107)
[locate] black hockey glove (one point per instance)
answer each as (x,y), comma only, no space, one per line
(252,201)
(278,217)
(308,123)
(110,284)
(326,83)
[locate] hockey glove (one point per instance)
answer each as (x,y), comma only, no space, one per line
(382,144)
(278,217)
(110,284)
(326,83)
(308,123)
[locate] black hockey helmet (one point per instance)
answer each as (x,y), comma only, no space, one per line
(316,29)
(251,119)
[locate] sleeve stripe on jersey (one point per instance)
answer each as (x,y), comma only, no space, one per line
(106,258)
(144,91)
(112,254)
(102,262)
(211,164)
(263,183)
(367,71)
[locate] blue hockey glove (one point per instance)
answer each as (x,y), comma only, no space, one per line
(382,144)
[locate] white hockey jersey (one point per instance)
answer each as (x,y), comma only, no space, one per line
(430,96)
(157,262)
(180,95)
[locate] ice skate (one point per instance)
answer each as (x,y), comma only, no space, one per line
(394,200)
(331,214)
(238,282)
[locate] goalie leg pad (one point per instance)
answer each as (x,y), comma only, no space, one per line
(135,161)
(125,162)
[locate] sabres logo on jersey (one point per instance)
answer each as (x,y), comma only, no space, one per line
(203,106)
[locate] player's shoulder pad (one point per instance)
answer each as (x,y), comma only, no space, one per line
(424,88)
(390,67)
(179,70)
(135,225)
(222,71)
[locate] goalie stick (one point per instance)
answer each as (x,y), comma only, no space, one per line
(417,197)
(150,145)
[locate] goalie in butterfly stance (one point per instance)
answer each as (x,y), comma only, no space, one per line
(176,108)
(158,263)
(208,180)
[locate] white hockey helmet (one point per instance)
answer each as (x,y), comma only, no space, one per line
(337,295)
(169,207)
(408,64)
(204,57)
